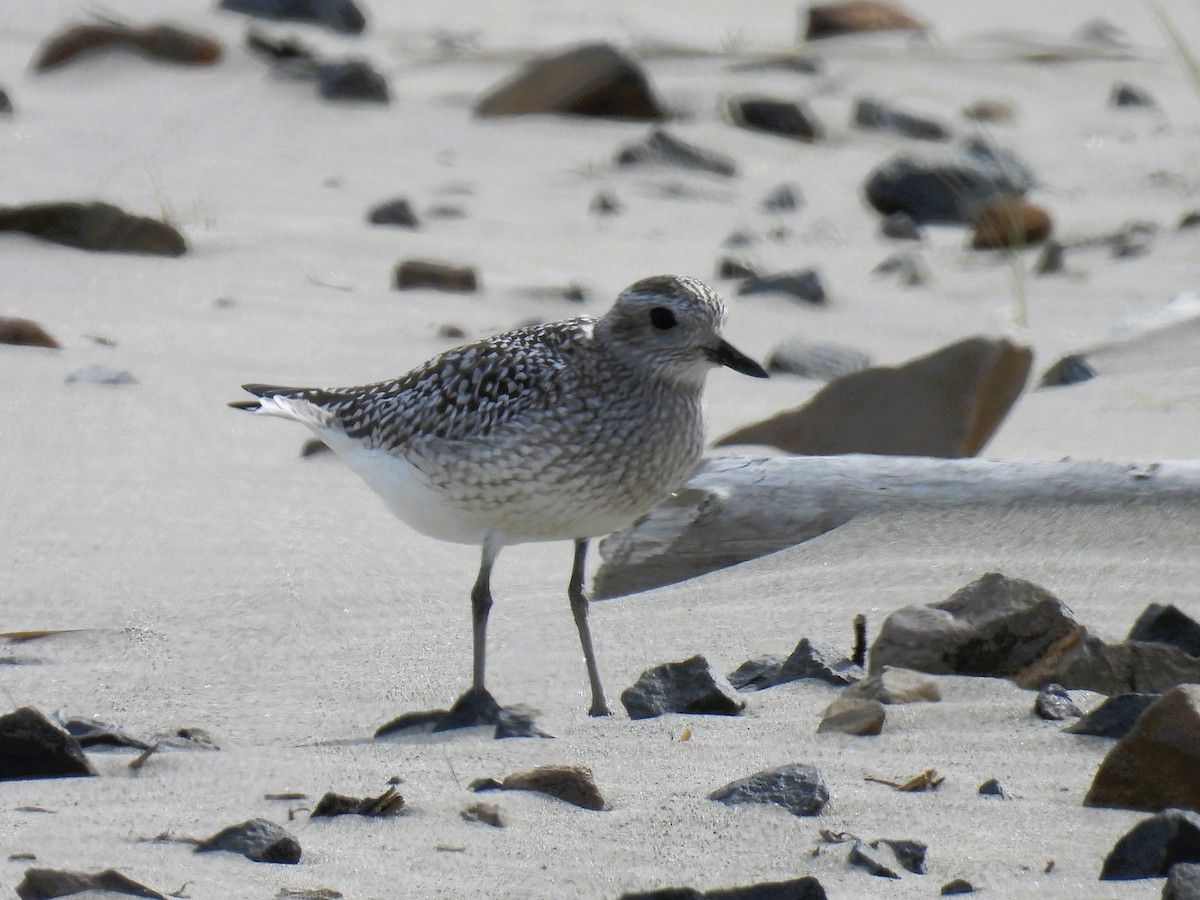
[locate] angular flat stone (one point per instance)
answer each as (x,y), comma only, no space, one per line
(805,661)
(1114,717)
(1167,625)
(949,404)
(992,788)
(662,148)
(1157,764)
(33,747)
(780,117)
(874,115)
(259,840)
(879,861)
(1128,95)
(43,884)
(798,788)
(853,715)
(590,80)
(1153,846)
(689,686)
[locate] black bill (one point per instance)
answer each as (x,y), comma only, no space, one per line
(725,354)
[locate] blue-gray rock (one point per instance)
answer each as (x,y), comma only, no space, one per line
(689,686)
(805,661)
(1127,95)
(782,117)
(1160,624)
(31,746)
(993,788)
(874,115)
(948,187)
(6,107)
(900,226)
(661,148)
(1153,846)
(352,79)
(798,788)
(1055,704)
(784,198)
(878,861)
(1114,717)
(94,733)
(1183,882)
(394,212)
(259,840)
(799,285)
(340,15)
(1071,369)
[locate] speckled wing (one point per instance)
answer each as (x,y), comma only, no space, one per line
(467,392)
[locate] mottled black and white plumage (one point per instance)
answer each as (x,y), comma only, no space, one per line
(564,431)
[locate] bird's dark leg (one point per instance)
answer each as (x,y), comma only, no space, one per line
(476,706)
(579,608)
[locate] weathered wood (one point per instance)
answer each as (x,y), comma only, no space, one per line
(737,508)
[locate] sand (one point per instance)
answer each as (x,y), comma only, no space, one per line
(220,581)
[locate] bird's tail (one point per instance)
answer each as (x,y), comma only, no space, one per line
(298,404)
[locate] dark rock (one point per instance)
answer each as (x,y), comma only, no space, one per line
(731,267)
(823,362)
(800,285)
(781,62)
(856,16)
(314,447)
(894,686)
(389,803)
(1183,882)
(419,273)
(573,784)
(1115,716)
(484,813)
(340,15)
(879,861)
(874,115)
(900,226)
(853,715)
(798,788)
(396,213)
(948,187)
(758,673)
(1133,240)
(1153,846)
(94,226)
(784,198)
(740,238)
(6,107)
(908,267)
(781,117)
(995,626)
(259,840)
(605,204)
(805,661)
(1051,260)
(590,80)
(1157,764)
(419,722)
(946,404)
(98,373)
(806,888)
(25,333)
(42,884)
(993,788)
(690,686)
(1010,222)
(992,112)
(518,722)
(1167,625)
(33,747)
(957,886)
(909,853)
(1055,704)
(451,332)
(661,148)
(352,79)
(164,42)
(1072,369)
(1189,220)
(1123,94)
(94,733)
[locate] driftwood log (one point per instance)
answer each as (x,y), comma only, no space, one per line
(737,508)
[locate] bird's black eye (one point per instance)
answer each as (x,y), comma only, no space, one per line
(662,318)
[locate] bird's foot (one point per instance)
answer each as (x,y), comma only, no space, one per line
(599,710)
(475,707)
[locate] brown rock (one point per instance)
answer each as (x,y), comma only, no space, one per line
(94,226)
(574,784)
(590,80)
(990,111)
(420,273)
(1156,765)
(25,333)
(164,42)
(832,19)
(1010,222)
(853,715)
(946,404)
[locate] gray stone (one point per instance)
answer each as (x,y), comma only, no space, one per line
(799,285)
(662,148)
(1183,882)
(805,661)
(798,788)
(1153,846)
(689,686)
(900,226)
(259,840)
(340,15)
(352,79)
(852,715)
(33,747)
(781,117)
(1167,625)
(1055,704)
(397,212)
(892,685)
(43,884)
(957,886)
(785,198)
(993,788)
(879,861)
(98,373)
(1115,716)
(875,115)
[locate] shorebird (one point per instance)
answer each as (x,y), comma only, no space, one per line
(565,431)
